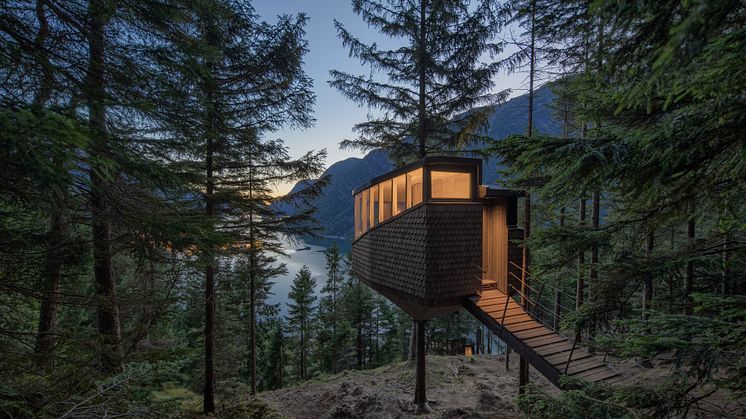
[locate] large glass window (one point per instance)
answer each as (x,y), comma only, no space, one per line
(450,185)
(384,208)
(414,187)
(400,194)
(365,210)
(358,215)
(373,205)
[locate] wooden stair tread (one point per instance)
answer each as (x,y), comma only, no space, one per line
(528,326)
(546,349)
(545,340)
(532,333)
(599,374)
(561,358)
(584,365)
(553,349)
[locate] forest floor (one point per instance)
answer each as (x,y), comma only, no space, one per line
(458,387)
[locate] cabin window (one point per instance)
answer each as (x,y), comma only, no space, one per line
(358,215)
(384,209)
(450,185)
(364,211)
(373,205)
(414,187)
(399,199)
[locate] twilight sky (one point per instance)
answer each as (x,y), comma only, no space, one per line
(334,114)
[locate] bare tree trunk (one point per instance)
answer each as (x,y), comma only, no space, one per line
(303,349)
(647,293)
(412,341)
(52,272)
(359,345)
(593,268)
(581,259)
(52,276)
(689,279)
(522,375)
(671,279)
(420,390)
(252,282)
(105,289)
(725,260)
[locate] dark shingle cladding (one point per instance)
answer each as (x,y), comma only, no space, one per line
(429,256)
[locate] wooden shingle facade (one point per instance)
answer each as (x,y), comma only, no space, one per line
(420,232)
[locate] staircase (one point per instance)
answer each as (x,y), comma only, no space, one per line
(547,350)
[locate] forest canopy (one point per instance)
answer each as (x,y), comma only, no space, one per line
(140,228)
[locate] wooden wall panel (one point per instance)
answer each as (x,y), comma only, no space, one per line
(495,244)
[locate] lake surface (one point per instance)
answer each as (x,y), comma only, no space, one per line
(309,252)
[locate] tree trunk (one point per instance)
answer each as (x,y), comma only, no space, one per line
(421,108)
(647,293)
(593,268)
(581,260)
(725,261)
(52,272)
(252,283)
(412,341)
(302,350)
(529,133)
(52,276)
(420,391)
(359,345)
(209,395)
(100,176)
(689,279)
(522,375)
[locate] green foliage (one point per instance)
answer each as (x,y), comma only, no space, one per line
(432,85)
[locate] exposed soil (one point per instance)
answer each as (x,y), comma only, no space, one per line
(458,387)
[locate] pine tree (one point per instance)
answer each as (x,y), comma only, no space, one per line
(331,333)
(301,314)
(244,81)
(431,85)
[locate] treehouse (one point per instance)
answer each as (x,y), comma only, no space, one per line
(432,239)
(428,235)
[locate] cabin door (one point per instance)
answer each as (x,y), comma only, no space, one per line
(495,246)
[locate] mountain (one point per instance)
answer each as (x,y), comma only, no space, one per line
(335,205)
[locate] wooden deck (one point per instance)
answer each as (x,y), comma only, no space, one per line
(543,348)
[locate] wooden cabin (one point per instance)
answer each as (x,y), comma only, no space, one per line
(429,234)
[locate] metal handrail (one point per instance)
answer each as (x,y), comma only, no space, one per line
(543,282)
(532,276)
(569,358)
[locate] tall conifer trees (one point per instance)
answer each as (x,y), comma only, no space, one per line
(428,89)
(243,80)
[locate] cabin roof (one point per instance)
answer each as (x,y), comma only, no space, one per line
(420,163)
(491,191)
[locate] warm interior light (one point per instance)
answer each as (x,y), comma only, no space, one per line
(450,185)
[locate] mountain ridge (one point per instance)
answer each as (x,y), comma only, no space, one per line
(334,207)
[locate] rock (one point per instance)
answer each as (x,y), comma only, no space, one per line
(491,402)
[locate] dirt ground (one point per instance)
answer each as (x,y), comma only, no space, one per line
(457,387)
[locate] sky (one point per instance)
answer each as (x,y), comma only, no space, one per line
(334,114)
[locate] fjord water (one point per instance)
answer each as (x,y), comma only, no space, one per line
(299,252)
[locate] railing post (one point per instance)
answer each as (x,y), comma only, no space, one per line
(567,365)
(505,309)
(538,300)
